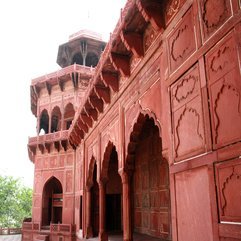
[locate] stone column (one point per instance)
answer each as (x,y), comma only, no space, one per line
(102,215)
(127,232)
(89,231)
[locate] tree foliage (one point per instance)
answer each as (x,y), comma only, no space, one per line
(15,202)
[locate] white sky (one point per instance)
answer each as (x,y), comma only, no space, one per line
(30,33)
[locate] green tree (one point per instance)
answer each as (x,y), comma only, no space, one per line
(15,202)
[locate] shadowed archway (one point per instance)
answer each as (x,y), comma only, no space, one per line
(52,202)
(113,190)
(149,174)
(92,202)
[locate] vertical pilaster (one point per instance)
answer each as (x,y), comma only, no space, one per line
(102,215)
(127,231)
(89,231)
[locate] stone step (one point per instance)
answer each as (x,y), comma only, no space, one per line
(42,237)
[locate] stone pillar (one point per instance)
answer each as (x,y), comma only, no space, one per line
(50,122)
(127,232)
(89,231)
(102,215)
(38,125)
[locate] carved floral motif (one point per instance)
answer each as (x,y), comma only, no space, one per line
(172,9)
(229,182)
(182,40)
(188,133)
(69,182)
(187,114)
(149,36)
(216,64)
(213,21)
(175,54)
(224,121)
(222,60)
(234,177)
(134,62)
(185,88)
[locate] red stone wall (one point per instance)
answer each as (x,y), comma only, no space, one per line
(60,166)
(188,85)
(202,75)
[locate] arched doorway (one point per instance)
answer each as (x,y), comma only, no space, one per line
(77,59)
(55,119)
(69,113)
(113,208)
(91,59)
(150,197)
(52,202)
(44,122)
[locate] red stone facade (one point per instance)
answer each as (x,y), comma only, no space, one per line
(149,140)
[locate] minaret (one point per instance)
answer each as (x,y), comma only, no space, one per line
(84,48)
(55,98)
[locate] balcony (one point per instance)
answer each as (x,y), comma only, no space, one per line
(58,140)
(77,74)
(48,138)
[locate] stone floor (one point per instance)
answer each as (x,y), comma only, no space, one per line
(136,237)
(16,237)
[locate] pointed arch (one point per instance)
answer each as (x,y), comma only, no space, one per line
(52,201)
(134,134)
(91,59)
(91,167)
(69,113)
(106,159)
(56,180)
(56,119)
(77,59)
(44,121)
(149,173)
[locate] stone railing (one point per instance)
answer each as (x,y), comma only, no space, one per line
(62,72)
(30,226)
(62,228)
(10,231)
(52,137)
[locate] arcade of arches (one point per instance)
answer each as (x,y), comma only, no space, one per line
(147,144)
(148,196)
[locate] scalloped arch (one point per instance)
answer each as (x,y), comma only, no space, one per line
(134,133)
(137,118)
(89,180)
(49,179)
(70,102)
(106,159)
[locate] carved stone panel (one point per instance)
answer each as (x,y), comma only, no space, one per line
(229,185)
(210,21)
(37,201)
(53,161)
(69,181)
(37,182)
(151,99)
(172,9)
(181,42)
(187,114)
(38,163)
(224,91)
(69,160)
(149,36)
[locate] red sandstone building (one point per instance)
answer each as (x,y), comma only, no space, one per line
(142,136)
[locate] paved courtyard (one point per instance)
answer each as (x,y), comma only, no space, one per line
(16,237)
